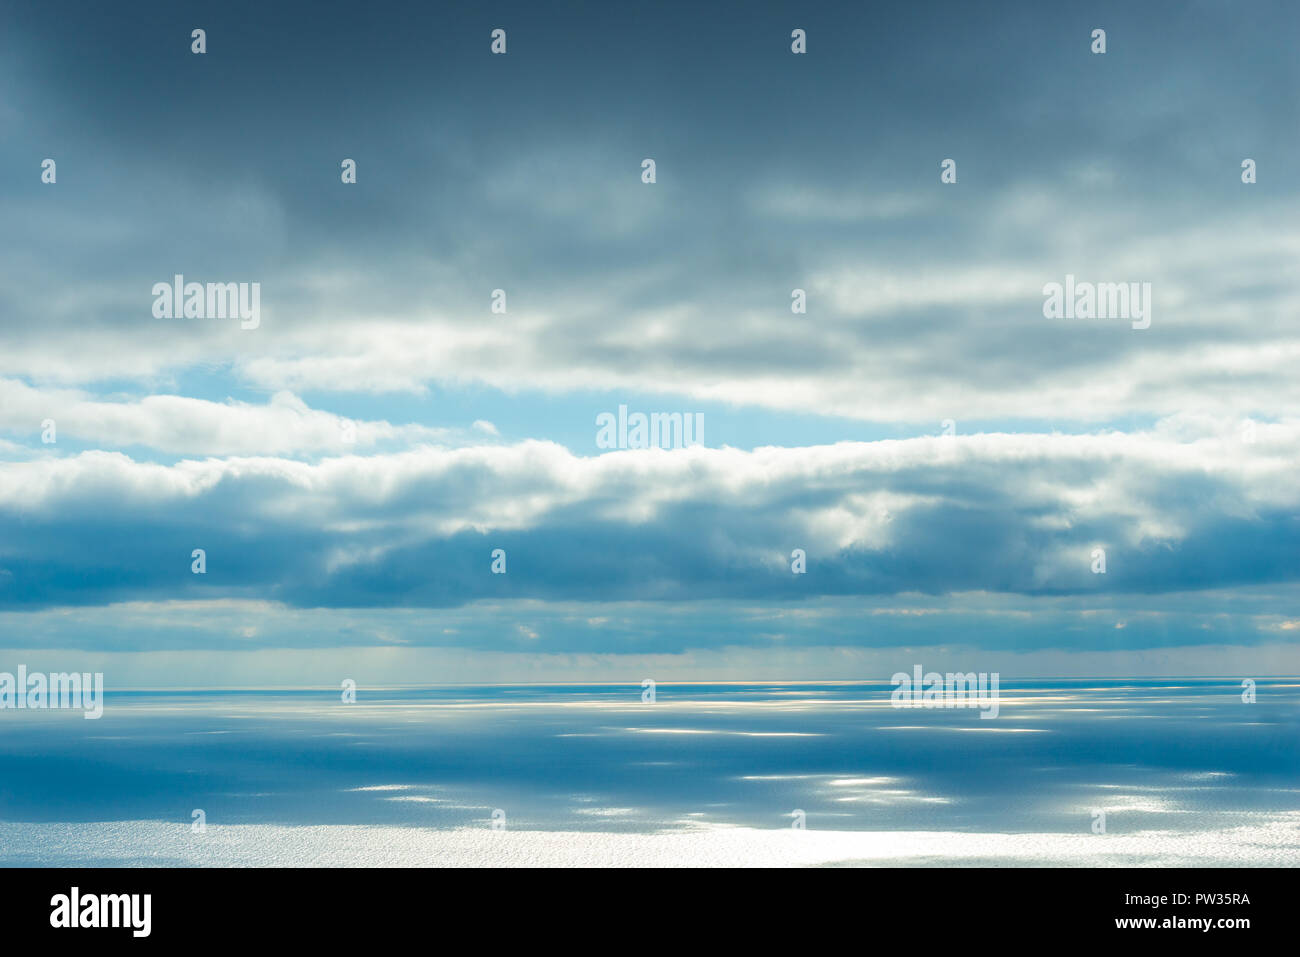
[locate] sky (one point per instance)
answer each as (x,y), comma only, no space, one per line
(948,458)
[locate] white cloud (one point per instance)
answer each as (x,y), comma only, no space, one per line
(182,425)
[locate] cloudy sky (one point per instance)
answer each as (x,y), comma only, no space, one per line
(349,465)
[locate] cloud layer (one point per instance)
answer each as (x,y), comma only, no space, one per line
(1003,513)
(382,430)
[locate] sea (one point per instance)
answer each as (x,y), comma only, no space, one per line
(1075,772)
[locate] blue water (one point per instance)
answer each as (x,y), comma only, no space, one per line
(1187,754)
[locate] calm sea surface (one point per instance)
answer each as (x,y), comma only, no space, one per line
(1184,771)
